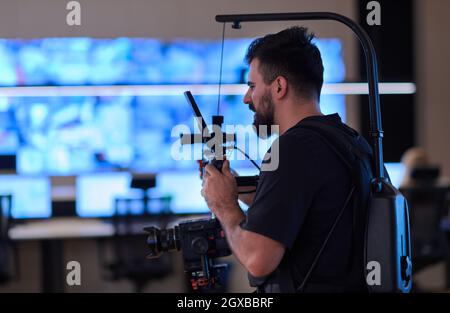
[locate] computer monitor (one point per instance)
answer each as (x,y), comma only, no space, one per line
(31,196)
(54,134)
(396,173)
(96,193)
(185,188)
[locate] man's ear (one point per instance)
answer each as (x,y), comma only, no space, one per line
(280,87)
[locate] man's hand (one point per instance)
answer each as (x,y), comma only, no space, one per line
(259,254)
(220,190)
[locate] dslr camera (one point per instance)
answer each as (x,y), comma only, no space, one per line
(201,241)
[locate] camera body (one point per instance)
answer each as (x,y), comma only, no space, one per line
(201,241)
(201,237)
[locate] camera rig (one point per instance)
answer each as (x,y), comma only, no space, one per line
(388,209)
(215,141)
(201,241)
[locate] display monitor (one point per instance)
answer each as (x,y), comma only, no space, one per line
(31,196)
(396,172)
(78,132)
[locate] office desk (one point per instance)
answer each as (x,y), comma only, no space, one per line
(61,228)
(51,234)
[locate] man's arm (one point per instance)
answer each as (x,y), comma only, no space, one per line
(259,254)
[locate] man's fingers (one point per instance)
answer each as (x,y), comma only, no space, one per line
(225,166)
(211,170)
(226,169)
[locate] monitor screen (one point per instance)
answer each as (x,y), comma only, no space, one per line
(31,196)
(396,173)
(96,193)
(128,61)
(88,134)
(55,134)
(185,188)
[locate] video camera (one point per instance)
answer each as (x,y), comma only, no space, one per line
(203,240)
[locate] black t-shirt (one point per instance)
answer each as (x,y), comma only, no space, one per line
(297,203)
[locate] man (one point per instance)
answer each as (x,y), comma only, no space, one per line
(295,205)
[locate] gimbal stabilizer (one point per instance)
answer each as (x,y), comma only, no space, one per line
(215,141)
(387,239)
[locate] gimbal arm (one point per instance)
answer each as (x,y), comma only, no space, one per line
(376,132)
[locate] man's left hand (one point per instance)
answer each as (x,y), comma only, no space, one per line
(220,189)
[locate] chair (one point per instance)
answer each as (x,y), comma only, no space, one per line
(428,204)
(129,262)
(6,246)
(129,243)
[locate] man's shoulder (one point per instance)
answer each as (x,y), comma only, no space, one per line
(311,128)
(299,137)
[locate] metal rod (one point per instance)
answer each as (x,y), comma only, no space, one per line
(376,132)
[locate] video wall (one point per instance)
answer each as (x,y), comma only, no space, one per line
(87,133)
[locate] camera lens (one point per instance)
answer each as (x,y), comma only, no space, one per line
(162,240)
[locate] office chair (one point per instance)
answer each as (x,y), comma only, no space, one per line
(6,246)
(130,247)
(428,206)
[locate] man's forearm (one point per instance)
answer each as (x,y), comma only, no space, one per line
(237,237)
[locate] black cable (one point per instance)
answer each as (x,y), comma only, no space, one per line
(247,156)
(220,74)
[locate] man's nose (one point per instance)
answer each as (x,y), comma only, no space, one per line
(247,98)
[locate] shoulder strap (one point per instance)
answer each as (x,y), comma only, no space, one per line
(316,259)
(325,132)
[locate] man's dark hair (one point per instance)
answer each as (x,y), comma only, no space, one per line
(291,54)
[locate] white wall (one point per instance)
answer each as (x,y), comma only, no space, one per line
(433,73)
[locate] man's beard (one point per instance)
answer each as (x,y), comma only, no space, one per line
(264,117)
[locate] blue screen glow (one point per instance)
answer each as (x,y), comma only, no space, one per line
(84,134)
(30,195)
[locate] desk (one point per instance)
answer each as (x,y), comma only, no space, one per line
(51,234)
(61,228)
